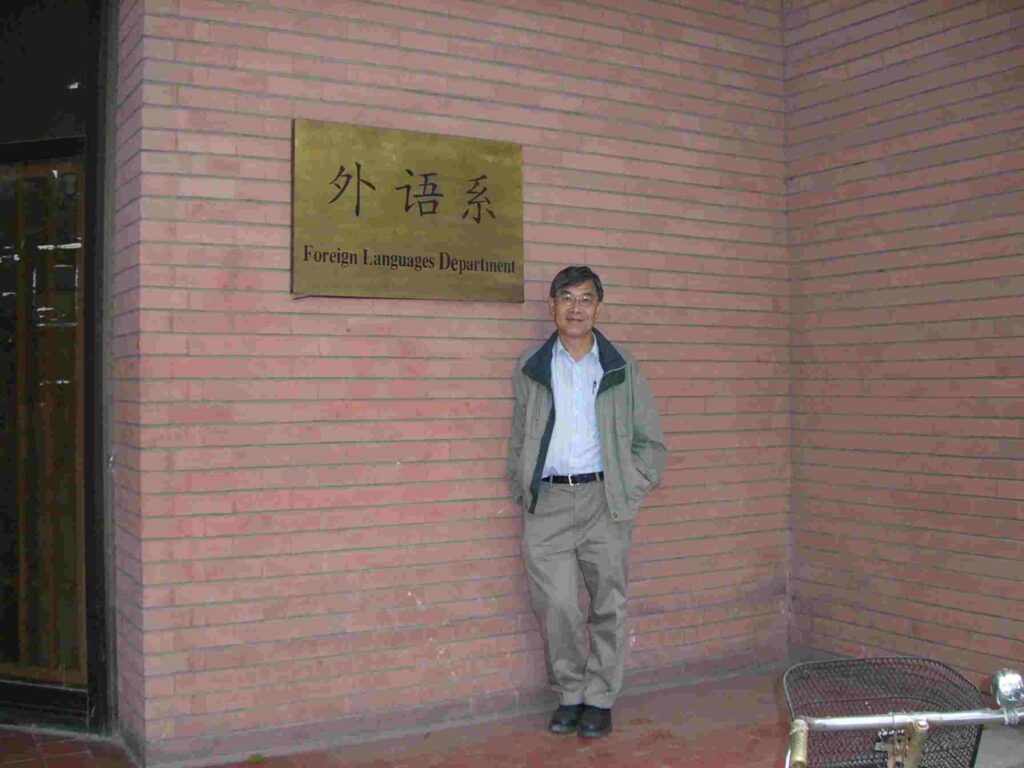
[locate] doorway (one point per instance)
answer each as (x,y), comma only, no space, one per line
(43,259)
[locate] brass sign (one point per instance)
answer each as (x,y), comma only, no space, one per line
(395,214)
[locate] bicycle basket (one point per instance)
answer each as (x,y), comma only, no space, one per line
(879,686)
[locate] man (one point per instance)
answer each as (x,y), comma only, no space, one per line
(586,447)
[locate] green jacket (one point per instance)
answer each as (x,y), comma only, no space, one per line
(632,444)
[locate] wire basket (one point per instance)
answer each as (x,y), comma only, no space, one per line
(879,686)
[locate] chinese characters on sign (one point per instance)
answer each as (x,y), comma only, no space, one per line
(427,199)
(478,199)
(348,177)
(388,213)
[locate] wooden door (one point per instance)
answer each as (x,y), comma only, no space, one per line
(42,537)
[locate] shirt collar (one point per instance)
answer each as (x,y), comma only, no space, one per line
(558,349)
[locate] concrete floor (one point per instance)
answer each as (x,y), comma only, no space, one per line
(1001,747)
(740,722)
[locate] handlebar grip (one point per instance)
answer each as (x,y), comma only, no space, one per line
(798,744)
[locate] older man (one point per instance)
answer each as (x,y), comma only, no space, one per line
(586,448)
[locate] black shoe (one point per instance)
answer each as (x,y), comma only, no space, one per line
(566,719)
(595,722)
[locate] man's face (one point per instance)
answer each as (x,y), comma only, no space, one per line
(574,310)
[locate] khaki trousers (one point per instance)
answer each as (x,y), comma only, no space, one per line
(571,532)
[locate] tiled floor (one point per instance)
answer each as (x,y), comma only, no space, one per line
(727,724)
(739,722)
(22,749)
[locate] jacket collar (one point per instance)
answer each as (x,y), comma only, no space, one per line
(538,366)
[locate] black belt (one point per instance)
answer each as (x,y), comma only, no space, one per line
(589,477)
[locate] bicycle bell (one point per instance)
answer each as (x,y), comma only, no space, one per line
(1007,689)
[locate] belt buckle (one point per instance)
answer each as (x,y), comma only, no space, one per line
(571,483)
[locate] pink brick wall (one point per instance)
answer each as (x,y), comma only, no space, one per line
(316,538)
(905,198)
(126,437)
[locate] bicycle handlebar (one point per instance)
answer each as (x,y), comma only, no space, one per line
(801,726)
(903,719)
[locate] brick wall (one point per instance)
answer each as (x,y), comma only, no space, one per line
(123,356)
(905,169)
(310,492)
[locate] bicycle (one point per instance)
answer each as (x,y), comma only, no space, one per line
(892,712)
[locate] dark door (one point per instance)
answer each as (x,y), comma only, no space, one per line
(42,536)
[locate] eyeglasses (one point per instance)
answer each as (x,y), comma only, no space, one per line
(585,300)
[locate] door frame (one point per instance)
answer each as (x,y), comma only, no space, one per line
(92,709)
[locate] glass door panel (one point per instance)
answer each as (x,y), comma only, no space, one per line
(42,590)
